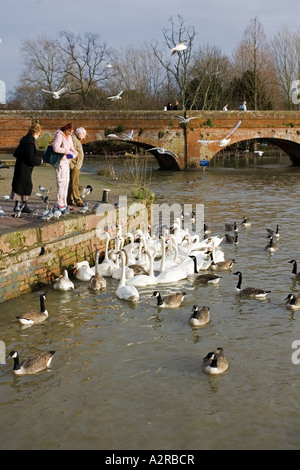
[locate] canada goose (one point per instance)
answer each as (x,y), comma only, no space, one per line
(246,222)
(31,365)
(215,362)
(35,316)
(295,274)
(97,282)
(200,316)
(124,292)
(170,301)
(273,233)
(293,301)
(231,227)
(252,292)
(204,278)
(271,246)
(221,265)
(206,229)
(63,282)
(231,238)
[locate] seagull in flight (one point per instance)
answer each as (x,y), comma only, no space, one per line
(222,142)
(56,94)
(128,136)
(116,97)
(179,47)
(184,120)
(162,151)
(113,136)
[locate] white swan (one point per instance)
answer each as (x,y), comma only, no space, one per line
(126,292)
(141,280)
(63,282)
(83,271)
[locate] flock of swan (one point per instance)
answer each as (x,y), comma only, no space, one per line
(138,260)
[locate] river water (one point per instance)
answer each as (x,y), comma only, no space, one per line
(129,376)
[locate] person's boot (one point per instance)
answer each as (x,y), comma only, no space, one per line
(17,205)
(26,209)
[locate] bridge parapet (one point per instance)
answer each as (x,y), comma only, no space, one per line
(164,129)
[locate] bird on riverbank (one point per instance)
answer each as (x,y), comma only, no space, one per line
(3,165)
(222,142)
(116,97)
(34,316)
(85,191)
(251,292)
(2,212)
(18,210)
(32,364)
(57,94)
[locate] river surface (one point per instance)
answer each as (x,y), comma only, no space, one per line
(129,376)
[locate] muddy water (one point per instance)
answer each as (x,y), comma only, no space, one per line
(129,377)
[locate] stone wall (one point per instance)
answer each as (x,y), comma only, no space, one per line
(36,256)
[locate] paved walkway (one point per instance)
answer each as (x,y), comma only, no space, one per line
(45,176)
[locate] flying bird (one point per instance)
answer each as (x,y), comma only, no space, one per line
(128,136)
(179,47)
(56,94)
(115,97)
(162,151)
(222,142)
(184,120)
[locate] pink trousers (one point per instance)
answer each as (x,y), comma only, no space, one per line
(62,183)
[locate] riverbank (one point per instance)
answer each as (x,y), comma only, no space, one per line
(33,252)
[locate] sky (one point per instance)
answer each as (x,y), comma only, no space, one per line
(122,23)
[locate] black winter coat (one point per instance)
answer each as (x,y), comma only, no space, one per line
(26,157)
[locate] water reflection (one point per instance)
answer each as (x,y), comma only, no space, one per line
(129,376)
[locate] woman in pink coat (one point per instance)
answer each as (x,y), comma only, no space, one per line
(63,143)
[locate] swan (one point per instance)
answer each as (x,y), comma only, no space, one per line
(63,282)
(176,273)
(141,280)
(83,271)
(123,291)
(97,282)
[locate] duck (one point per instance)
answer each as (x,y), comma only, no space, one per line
(123,291)
(82,271)
(63,282)
(252,292)
(200,316)
(97,282)
(34,316)
(170,301)
(231,238)
(293,301)
(271,246)
(32,364)
(273,233)
(295,274)
(246,222)
(221,265)
(215,362)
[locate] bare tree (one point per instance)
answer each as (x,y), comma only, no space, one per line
(285,51)
(252,60)
(84,66)
(177,65)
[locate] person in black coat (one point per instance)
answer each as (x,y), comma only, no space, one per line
(26,159)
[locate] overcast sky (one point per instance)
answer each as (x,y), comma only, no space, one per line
(122,23)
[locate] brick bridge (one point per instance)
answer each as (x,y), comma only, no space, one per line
(163,129)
